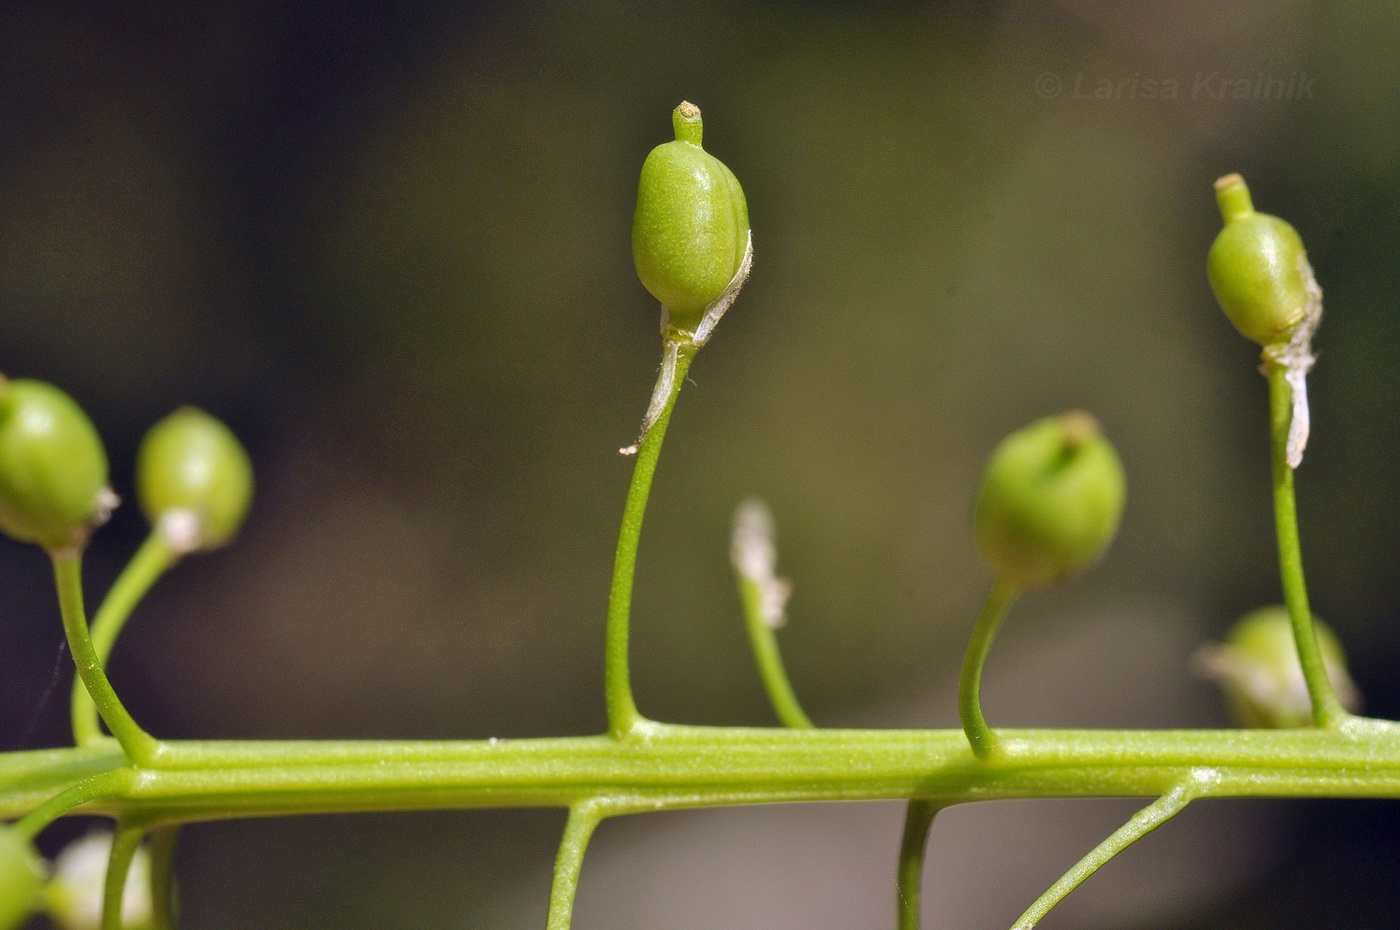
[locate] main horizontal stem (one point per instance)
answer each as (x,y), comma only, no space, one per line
(666,766)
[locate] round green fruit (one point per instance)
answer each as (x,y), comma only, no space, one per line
(53,468)
(1050,500)
(194,479)
(691,227)
(1258,669)
(1258,268)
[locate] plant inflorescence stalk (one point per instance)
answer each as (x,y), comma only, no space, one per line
(1327,708)
(623,716)
(578,830)
(151,561)
(125,841)
(763,641)
(138,745)
(162,851)
(979,735)
(1139,825)
(104,784)
(684,766)
(909,879)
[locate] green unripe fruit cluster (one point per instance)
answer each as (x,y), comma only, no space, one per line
(1050,500)
(191,468)
(19,879)
(1258,268)
(1258,669)
(691,227)
(53,468)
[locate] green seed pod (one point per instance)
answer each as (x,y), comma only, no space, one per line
(53,469)
(1258,269)
(1257,667)
(194,480)
(19,879)
(1050,500)
(690,232)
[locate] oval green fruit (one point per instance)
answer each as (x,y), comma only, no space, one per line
(1258,268)
(690,230)
(1258,669)
(1050,500)
(53,468)
(193,476)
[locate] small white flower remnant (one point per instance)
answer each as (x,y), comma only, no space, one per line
(75,894)
(755,557)
(721,303)
(182,528)
(1297,360)
(673,340)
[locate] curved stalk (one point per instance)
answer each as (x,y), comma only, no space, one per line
(578,830)
(1327,709)
(762,595)
(909,878)
(152,560)
(162,889)
(623,716)
(125,841)
(764,643)
(979,735)
(100,786)
(138,745)
(1139,825)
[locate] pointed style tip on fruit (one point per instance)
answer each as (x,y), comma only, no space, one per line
(1258,670)
(1259,270)
(194,480)
(686,121)
(690,231)
(1050,500)
(1079,427)
(1232,196)
(53,468)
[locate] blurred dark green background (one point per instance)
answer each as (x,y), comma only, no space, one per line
(388,242)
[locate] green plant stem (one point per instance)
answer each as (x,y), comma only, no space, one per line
(152,560)
(763,640)
(909,878)
(678,767)
(138,745)
(583,819)
(125,841)
(163,904)
(101,785)
(1139,825)
(1327,709)
(979,735)
(623,717)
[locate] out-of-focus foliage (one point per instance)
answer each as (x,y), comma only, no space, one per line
(388,243)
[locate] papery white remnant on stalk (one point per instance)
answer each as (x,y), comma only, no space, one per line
(755,557)
(1297,360)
